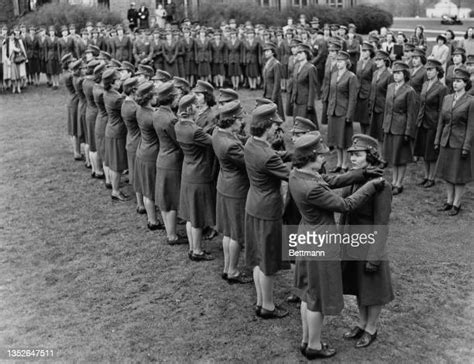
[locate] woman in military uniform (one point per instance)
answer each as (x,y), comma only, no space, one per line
(319,281)
(77,81)
(454,139)
(263,209)
(366,273)
(252,59)
(341,107)
(202,55)
(399,123)
(364,72)
(271,76)
(189,60)
(169,49)
(232,188)
(234,59)
(197,195)
(169,162)
(431,101)
(219,59)
(69,67)
(115,132)
(459,58)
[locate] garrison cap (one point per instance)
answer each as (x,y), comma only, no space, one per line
(181,83)
(303,125)
(399,66)
(165,89)
(230,110)
(99,68)
(203,87)
(461,74)
(262,101)
(432,63)
(127,66)
(311,143)
(227,94)
(145,88)
(109,74)
(266,112)
(162,76)
(362,142)
(145,70)
(186,101)
(66,58)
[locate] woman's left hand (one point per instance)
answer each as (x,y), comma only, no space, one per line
(464,154)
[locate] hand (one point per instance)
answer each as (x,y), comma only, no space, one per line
(406,139)
(379,183)
(436,147)
(372,172)
(371,267)
(464,154)
(348,121)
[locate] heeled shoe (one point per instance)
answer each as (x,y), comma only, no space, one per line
(157,226)
(423,181)
(365,340)
(303,347)
(277,313)
(325,352)
(121,197)
(355,333)
(141,210)
(204,256)
(445,207)
(430,183)
(397,190)
(455,210)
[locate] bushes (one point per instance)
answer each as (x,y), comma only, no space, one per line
(64,14)
(366,18)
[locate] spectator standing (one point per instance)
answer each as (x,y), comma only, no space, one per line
(132,17)
(143,14)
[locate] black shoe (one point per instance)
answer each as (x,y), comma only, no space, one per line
(179,241)
(240,278)
(366,339)
(445,207)
(88,166)
(141,210)
(355,333)
(422,183)
(211,234)
(80,158)
(258,310)
(224,276)
(204,256)
(303,347)
(325,352)
(455,210)
(99,175)
(429,183)
(336,170)
(157,226)
(108,185)
(121,197)
(344,170)
(277,313)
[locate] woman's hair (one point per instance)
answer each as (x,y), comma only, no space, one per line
(98,77)
(108,82)
(439,37)
(302,159)
(452,33)
(129,89)
(168,100)
(225,123)
(258,128)
(209,99)
(387,62)
(463,57)
(89,71)
(142,100)
(468,84)
(440,71)
(466,35)
(406,75)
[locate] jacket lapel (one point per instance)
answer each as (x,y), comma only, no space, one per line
(461,101)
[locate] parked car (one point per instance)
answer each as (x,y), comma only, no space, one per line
(450,20)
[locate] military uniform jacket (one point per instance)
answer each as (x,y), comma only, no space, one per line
(80,46)
(229,150)
(170,155)
(417,79)
(202,50)
(129,116)
(364,75)
(283,52)
(252,52)
(321,55)
(149,145)
(142,49)
(305,85)
(271,80)
(63,47)
(196,146)
(28,42)
(188,45)
(41,47)
(378,91)
(265,170)
(456,123)
(169,51)
(234,51)
(449,76)
(431,102)
(71,45)
(122,49)
(343,95)
(329,69)
(116,128)
(206,120)
(401,110)
(52,49)
(218,52)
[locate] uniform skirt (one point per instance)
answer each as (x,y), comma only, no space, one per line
(203,69)
(424,144)
(252,70)
(115,154)
(319,284)
(100,125)
(339,132)
(91,116)
(144,177)
(131,155)
(189,68)
(370,288)
(167,188)
(53,67)
(33,66)
(396,151)
(452,168)
(217,69)
(375,128)
(362,111)
(81,120)
(72,117)
(230,213)
(197,204)
(234,70)
(263,245)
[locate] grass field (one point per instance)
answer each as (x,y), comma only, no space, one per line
(84,276)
